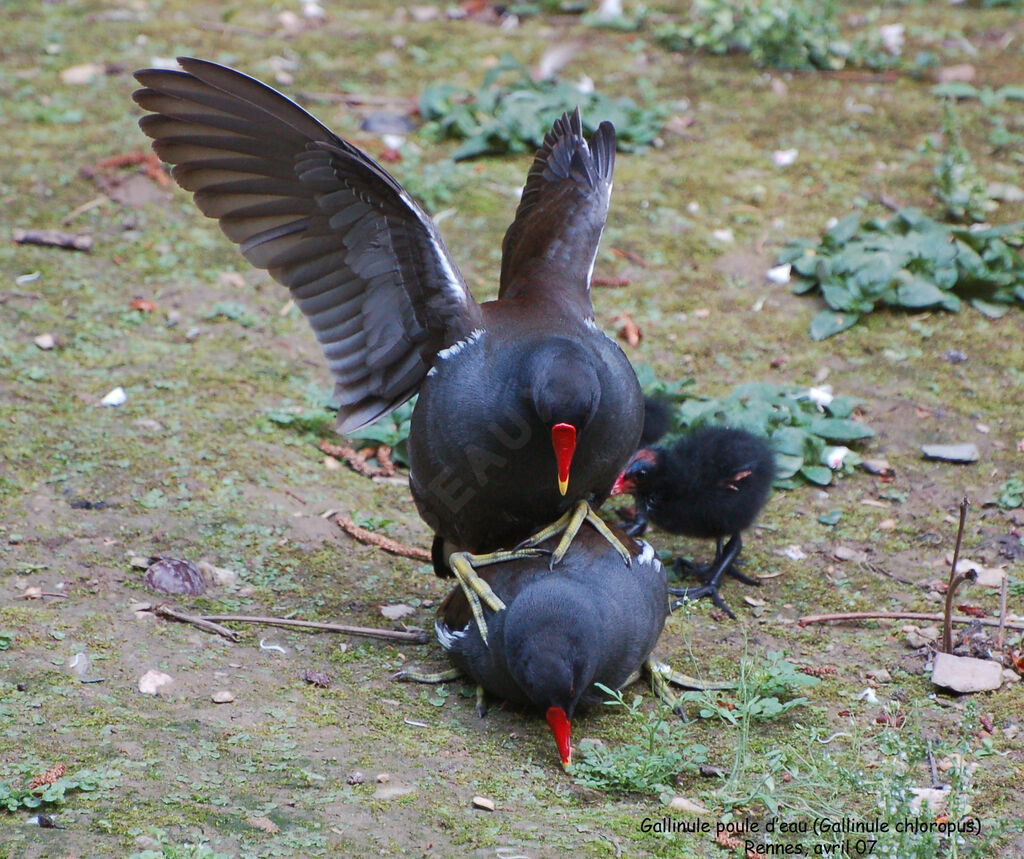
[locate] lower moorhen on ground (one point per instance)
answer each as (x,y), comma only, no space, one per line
(590,620)
(711,484)
(513,393)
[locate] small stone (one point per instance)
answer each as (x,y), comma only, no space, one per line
(397,612)
(265,824)
(880,675)
(153,681)
(934,797)
(139,561)
(222,696)
(880,467)
(331,464)
(483,802)
(45,342)
(383,778)
(688,806)
(1011,676)
(887,525)
(116,397)
(965,452)
(845,553)
(216,576)
(965,673)
(356,777)
(83,74)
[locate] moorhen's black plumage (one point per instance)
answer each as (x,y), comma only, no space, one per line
(526,412)
(711,484)
(657,421)
(592,620)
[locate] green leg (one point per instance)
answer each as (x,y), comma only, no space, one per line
(408,675)
(663,677)
(478,592)
(568,525)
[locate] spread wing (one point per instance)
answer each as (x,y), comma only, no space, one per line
(366,266)
(562,213)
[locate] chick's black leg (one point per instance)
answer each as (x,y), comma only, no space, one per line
(633,521)
(723,563)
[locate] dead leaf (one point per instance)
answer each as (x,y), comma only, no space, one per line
(397,612)
(959,72)
(143,305)
(265,824)
(628,330)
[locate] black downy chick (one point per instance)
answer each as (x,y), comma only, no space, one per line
(711,484)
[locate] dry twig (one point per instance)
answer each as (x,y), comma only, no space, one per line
(955,580)
(52,238)
(415,636)
(202,623)
(379,540)
(358,459)
(808,619)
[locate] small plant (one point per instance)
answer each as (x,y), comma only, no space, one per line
(807,428)
(910,261)
(647,765)
(1011,494)
(54,790)
(511,112)
(958,184)
(784,34)
(762,686)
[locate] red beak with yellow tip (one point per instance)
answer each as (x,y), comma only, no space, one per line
(563,439)
(561,728)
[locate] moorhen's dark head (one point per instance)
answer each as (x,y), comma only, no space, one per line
(551,658)
(564,392)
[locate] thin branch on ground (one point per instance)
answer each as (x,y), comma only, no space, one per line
(202,623)
(808,619)
(415,636)
(379,540)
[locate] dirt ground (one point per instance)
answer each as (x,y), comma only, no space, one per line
(214,455)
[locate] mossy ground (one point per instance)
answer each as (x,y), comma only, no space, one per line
(192,467)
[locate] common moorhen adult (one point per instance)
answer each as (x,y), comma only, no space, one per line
(592,620)
(527,411)
(711,484)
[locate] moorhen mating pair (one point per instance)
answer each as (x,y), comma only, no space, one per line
(527,412)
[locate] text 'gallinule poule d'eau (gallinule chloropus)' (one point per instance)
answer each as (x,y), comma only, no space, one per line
(527,412)
(591,620)
(711,484)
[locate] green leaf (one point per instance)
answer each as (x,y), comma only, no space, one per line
(918,292)
(830,518)
(829,323)
(991,310)
(840,429)
(844,230)
(819,474)
(955,89)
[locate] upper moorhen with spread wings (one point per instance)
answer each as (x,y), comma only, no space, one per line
(527,411)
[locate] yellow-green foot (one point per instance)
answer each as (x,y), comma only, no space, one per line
(663,677)
(478,592)
(568,525)
(408,675)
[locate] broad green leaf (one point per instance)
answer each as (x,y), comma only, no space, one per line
(828,323)
(839,429)
(918,292)
(992,311)
(819,474)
